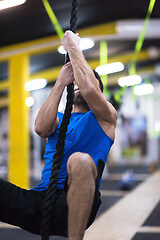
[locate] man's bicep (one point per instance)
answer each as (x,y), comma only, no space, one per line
(54,127)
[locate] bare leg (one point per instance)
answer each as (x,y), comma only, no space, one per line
(82,173)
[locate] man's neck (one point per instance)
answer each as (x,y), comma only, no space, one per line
(79,110)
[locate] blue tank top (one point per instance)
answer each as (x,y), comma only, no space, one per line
(85,135)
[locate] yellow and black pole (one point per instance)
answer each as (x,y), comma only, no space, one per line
(18,166)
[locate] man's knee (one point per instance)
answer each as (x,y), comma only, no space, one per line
(81,164)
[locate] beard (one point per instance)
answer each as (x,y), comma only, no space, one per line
(79,101)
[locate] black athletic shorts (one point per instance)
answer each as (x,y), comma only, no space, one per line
(24,208)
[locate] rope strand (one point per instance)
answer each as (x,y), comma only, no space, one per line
(50,198)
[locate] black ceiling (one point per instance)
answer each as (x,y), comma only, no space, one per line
(30,20)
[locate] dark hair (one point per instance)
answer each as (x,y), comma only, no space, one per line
(99,79)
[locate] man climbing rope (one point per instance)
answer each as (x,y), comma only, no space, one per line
(89,137)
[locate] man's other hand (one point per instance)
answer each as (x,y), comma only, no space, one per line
(66,75)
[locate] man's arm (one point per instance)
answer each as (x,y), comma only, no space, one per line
(86,81)
(47,119)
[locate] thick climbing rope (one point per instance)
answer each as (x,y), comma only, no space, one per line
(50,198)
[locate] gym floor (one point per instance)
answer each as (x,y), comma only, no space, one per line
(124,214)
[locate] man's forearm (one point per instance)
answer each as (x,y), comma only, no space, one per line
(83,74)
(89,87)
(46,120)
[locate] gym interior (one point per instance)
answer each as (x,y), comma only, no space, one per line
(123,46)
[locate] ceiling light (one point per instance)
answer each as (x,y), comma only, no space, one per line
(10,3)
(29,101)
(130,28)
(61,50)
(85,43)
(129,80)
(35,84)
(110,68)
(143,89)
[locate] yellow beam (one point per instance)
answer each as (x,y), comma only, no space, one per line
(49,74)
(19,122)
(124,58)
(52,74)
(112,80)
(4,84)
(52,42)
(98,30)
(32,47)
(4,102)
